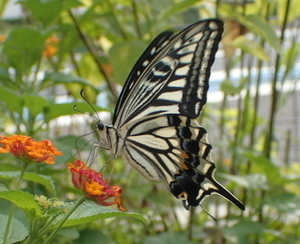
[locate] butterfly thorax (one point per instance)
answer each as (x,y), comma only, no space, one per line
(109,138)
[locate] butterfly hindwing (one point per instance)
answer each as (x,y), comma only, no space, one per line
(175,149)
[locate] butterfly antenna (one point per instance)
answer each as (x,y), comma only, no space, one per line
(208,213)
(77,110)
(88,102)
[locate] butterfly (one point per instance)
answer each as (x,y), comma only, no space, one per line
(154,124)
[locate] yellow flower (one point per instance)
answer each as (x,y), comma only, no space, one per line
(92,184)
(26,148)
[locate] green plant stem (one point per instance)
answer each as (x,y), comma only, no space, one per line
(136,19)
(64,219)
(94,55)
(275,92)
(13,207)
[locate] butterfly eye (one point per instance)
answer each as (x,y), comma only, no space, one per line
(100,126)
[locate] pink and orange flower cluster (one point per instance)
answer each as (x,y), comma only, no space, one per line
(90,182)
(93,185)
(25,148)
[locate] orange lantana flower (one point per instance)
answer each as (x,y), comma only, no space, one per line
(51,46)
(2,38)
(26,148)
(92,184)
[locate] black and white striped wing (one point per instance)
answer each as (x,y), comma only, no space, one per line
(155,114)
(171,78)
(175,149)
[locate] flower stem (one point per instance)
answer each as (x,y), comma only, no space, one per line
(13,207)
(63,220)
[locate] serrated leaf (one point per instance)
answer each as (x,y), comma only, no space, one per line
(90,211)
(24,201)
(33,177)
(18,230)
(35,104)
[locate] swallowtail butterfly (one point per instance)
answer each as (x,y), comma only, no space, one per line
(154,124)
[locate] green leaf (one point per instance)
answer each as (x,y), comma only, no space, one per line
(251,47)
(71,4)
(70,233)
(24,201)
(240,231)
(290,57)
(293,11)
(44,11)
(89,236)
(284,202)
(56,110)
(12,101)
(3,4)
(174,238)
(18,232)
(90,211)
(251,181)
(36,104)
(74,83)
(264,165)
(175,8)
(44,180)
(4,75)
(230,89)
(129,51)
(260,26)
(23,47)
(62,78)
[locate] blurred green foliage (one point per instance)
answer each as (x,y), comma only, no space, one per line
(59,47)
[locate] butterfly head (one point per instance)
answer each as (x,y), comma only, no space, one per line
(108,137)
(100,126)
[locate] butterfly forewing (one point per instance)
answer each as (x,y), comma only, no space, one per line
(175,80)
(149,54)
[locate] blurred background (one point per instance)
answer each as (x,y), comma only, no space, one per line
(50,50)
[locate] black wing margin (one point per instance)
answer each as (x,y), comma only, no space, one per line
(172,75)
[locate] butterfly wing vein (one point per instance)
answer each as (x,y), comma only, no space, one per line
(156,111)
